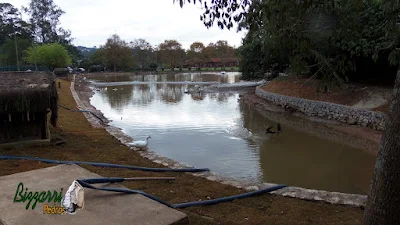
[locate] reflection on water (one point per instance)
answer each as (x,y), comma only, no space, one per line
(215,130)
(230,77)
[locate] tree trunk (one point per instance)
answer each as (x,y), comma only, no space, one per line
(383,207)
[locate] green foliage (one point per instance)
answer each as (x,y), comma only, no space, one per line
(116,54)
(52,55)
(8,51)
(143,53)
(171,53)
(44,17)
(334,40)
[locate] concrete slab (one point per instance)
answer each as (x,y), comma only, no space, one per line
(100,207)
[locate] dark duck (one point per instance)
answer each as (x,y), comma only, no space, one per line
(278,129)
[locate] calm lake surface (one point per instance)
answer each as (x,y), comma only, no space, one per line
(212,130)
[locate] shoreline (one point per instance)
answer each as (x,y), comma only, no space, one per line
(83,142)
(85,93)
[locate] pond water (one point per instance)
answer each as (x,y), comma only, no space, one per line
(217,131)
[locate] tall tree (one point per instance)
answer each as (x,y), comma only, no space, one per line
(117,53)
(8,51)
(143,53)
(11,23)
(384,198)
(44,16)
(197,47)
(210,51)
(171,53)
(196,51)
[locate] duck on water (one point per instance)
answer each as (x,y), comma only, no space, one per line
(278,129)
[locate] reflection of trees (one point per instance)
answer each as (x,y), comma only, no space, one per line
(206,78)
(197,96)
(253,120)
(314,163)
(309,161)
(171,93)
(221,97)
(120,98)
(143,94)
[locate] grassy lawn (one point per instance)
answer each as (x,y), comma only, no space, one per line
(84,143)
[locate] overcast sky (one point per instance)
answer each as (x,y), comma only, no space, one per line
(93,21)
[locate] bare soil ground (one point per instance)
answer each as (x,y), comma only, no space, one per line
(84,143)
(357,95)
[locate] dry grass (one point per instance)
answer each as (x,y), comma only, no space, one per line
(89,144)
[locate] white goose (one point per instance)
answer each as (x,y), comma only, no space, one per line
(140,144)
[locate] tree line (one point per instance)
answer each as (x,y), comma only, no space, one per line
(39,40)
(119,55)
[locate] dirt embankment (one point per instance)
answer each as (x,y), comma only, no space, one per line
(357,95)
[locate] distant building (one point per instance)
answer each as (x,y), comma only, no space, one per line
(26,98)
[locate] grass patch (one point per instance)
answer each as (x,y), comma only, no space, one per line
(84,143)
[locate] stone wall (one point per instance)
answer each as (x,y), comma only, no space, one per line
(331,111)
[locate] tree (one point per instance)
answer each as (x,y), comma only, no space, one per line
(44,16)
(171,53)
(384,198)
(117,53)
(51,55)
(97,57)
(210,51)
(335,41)
(197,47)
(196,52)
(143,53)
(8,52)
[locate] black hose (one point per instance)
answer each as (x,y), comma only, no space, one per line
(87,184)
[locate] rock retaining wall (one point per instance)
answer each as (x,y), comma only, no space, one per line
(331,111)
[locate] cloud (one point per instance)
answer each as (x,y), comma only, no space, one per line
(93,21)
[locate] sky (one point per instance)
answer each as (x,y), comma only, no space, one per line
(91,22)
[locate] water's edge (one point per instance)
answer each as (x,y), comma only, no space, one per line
(295,192)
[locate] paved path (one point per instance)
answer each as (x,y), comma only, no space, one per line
(100,207)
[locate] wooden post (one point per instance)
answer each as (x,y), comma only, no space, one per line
(43,124)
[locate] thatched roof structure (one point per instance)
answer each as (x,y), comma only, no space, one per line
(28,92)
